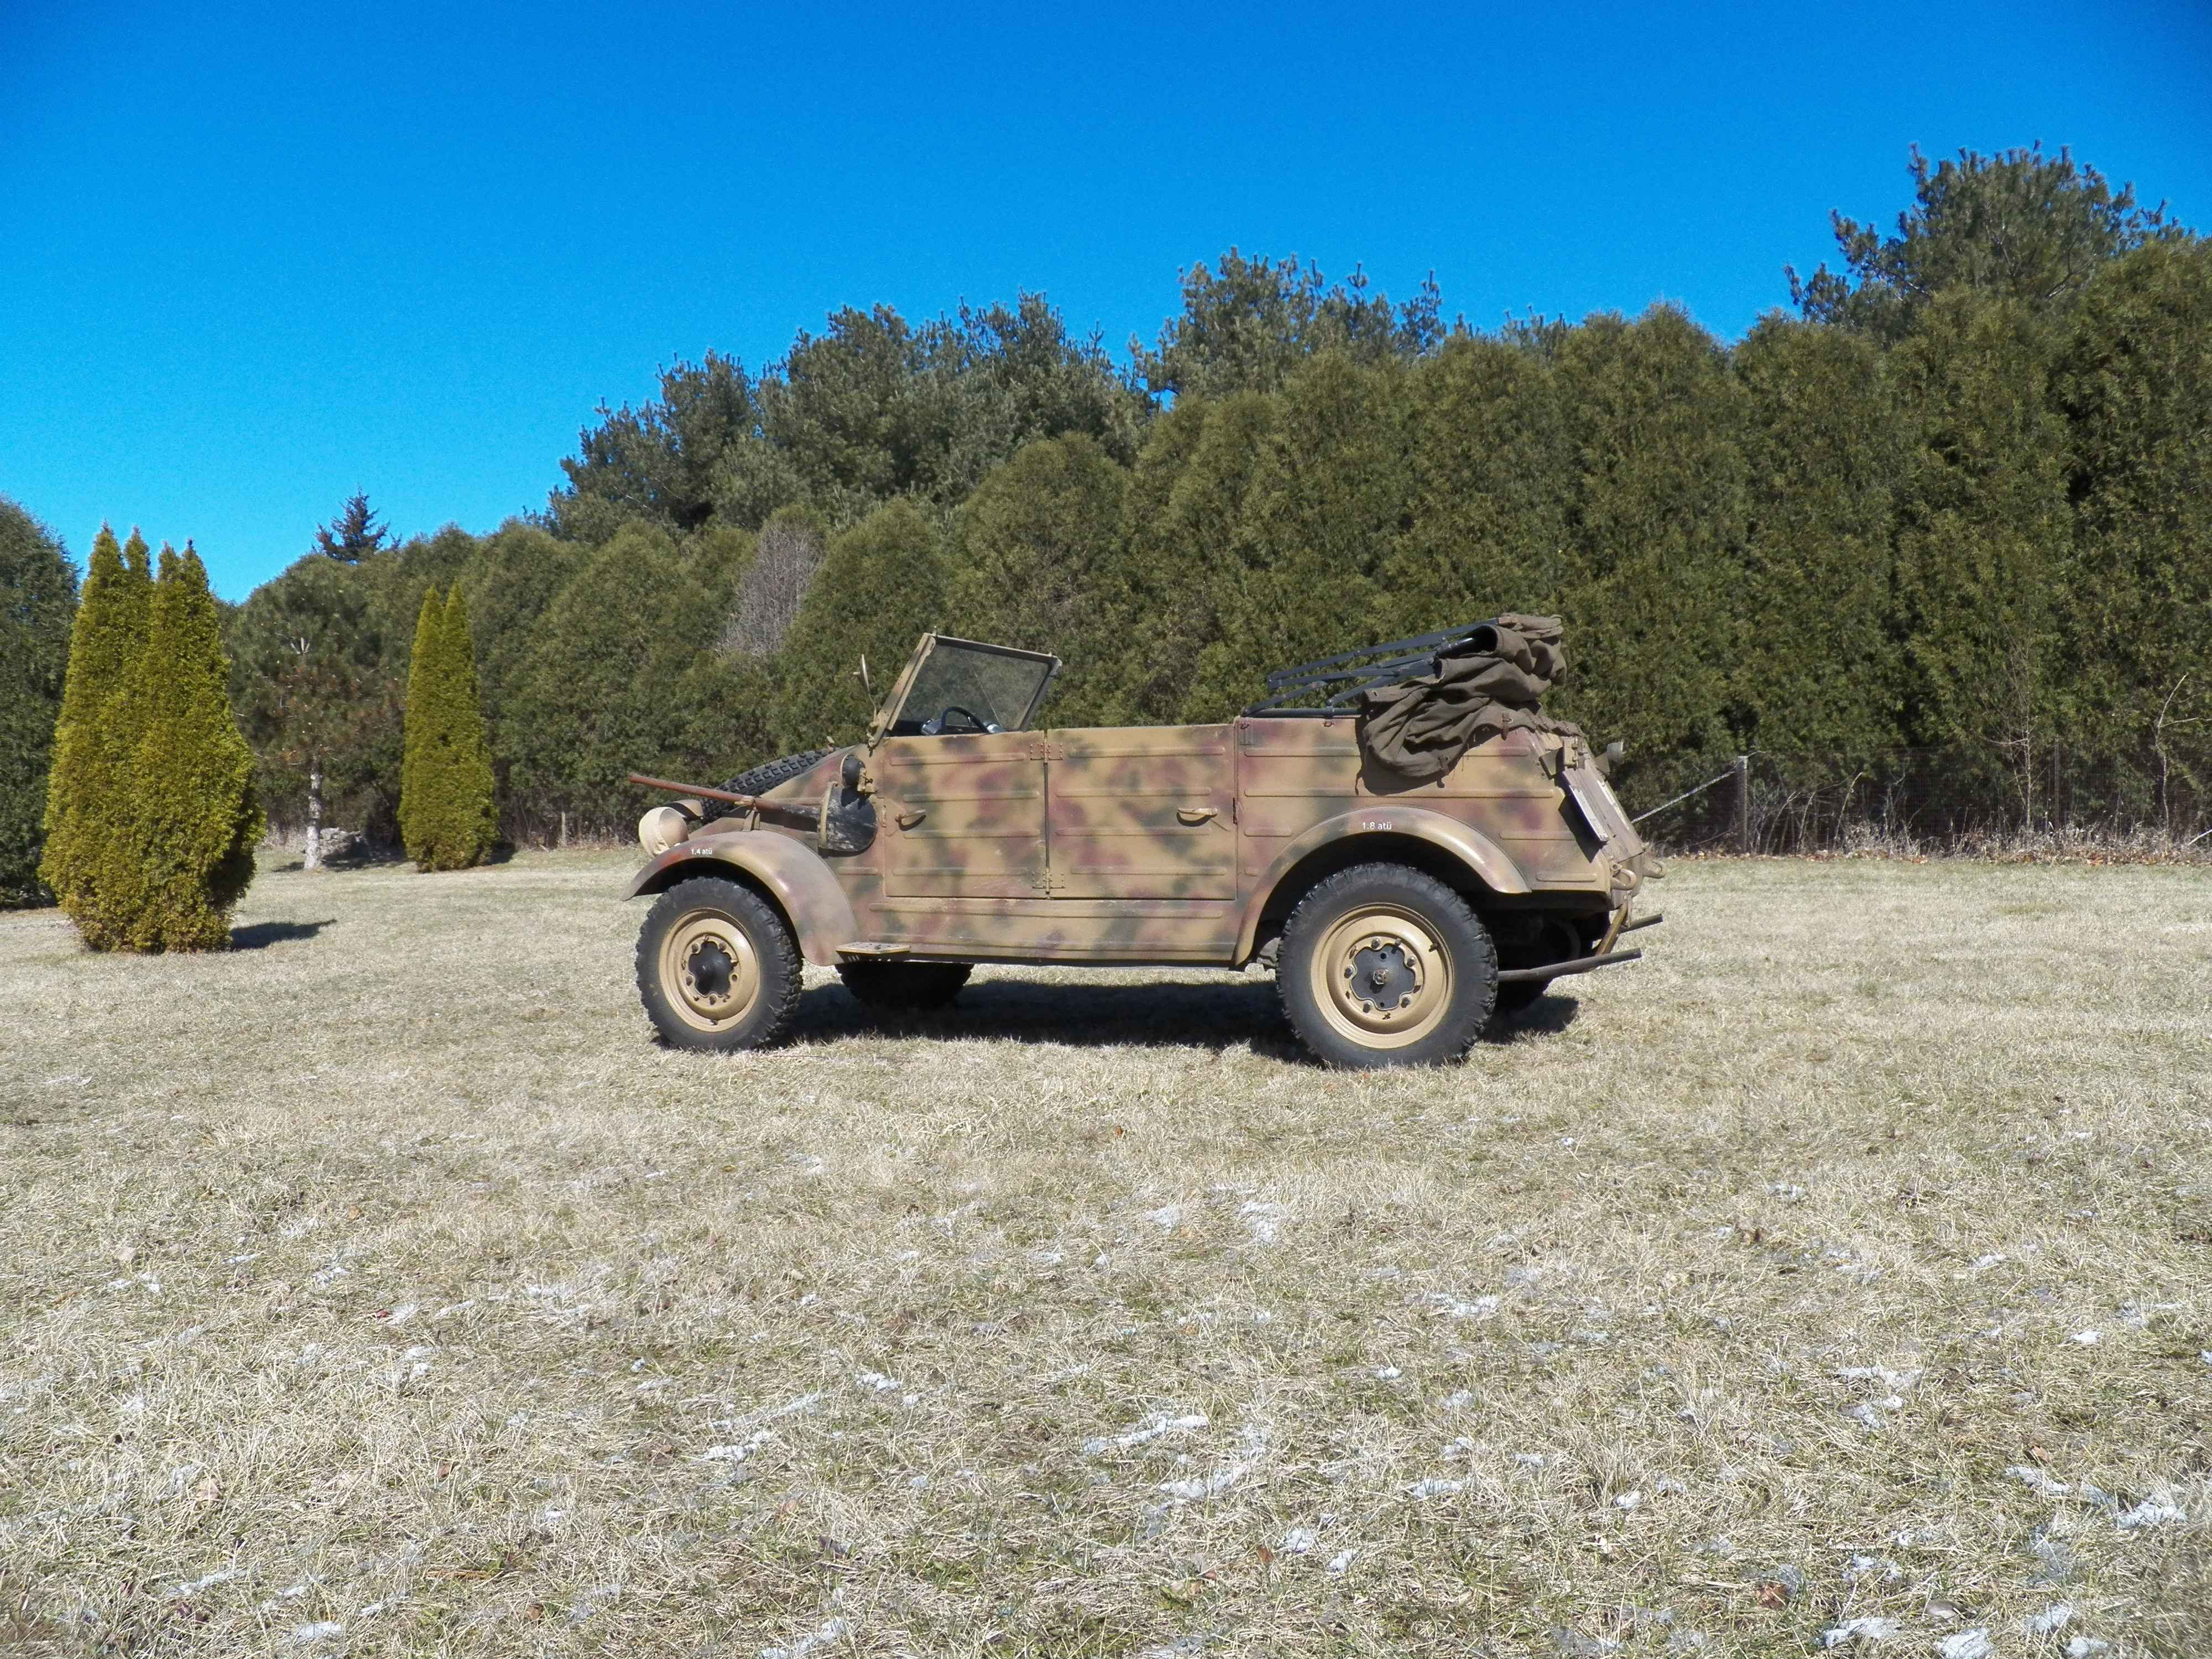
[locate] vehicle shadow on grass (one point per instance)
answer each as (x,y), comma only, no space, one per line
(1547,1016)
(1217,1015)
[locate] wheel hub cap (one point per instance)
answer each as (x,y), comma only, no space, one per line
(1384,975)
(1381,978)
(709,970)
(707,974)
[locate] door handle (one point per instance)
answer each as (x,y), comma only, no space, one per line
(908,820)
(1197,814)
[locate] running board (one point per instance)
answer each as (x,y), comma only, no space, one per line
(1561,969)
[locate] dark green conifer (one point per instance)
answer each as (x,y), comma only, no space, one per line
(1035,543)
(420,722)
(177,852)
(880,587)
(38,595)
(446,811)
(85,791)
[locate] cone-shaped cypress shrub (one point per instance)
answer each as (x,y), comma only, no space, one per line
(422,721)
(446,810)
(185,842)
(471,814)
(86,791)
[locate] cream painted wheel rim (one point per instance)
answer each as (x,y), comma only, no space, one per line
(710,971)
(1381,978)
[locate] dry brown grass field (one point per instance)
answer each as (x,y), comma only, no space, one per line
(1836,1278)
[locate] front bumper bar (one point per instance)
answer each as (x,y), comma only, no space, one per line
(1561,969)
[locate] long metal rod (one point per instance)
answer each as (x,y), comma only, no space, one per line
(1561,969)
(759,804)
(1684,796)
(1283,676)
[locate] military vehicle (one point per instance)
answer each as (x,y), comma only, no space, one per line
(1399,832)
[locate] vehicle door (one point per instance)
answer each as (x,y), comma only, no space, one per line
(962,816)
(960,785)
(1142,812)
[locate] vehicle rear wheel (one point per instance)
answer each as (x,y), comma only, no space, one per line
(1382,965)
(907,986)
(717,968)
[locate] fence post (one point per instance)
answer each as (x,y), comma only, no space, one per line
(1743,805)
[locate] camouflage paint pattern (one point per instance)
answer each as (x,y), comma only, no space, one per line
(1159,844)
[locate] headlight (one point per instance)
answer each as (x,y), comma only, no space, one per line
(660,829)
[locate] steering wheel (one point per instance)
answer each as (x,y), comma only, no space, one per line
(932,728)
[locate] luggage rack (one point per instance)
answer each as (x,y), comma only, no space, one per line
(1340,680)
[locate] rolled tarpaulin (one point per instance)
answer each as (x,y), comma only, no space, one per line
(1486,684)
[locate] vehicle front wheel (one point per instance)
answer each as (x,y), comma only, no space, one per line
(717,968)
(904,987)
(1382,965)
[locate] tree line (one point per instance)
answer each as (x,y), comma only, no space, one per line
(1952,499)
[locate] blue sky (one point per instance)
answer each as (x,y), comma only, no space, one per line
(253,257)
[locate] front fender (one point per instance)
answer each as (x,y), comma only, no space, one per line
(1469,847)
(792,874)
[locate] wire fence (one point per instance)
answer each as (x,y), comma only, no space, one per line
(1934,798)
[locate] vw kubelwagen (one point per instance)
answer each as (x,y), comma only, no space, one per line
(1397,910)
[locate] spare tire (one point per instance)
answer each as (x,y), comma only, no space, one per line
(765,777)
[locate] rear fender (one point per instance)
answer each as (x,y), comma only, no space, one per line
(1387,828)
(787,872)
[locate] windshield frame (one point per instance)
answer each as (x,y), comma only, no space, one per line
(887,718)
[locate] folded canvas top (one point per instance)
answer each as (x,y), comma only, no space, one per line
(1486,682)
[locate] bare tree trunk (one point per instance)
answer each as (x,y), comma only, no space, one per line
(313,859)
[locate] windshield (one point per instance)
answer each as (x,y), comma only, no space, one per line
(960,685)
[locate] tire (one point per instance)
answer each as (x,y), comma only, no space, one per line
(904,987)
(765,777)
(1394,933)
(717,968)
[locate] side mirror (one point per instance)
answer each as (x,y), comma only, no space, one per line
(1611,758)
(849,773)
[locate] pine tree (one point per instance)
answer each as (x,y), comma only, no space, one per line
(355,534)
(1034,541)
(179,854)
(880,587)
(445,812)
(1323,515)
(2135,383)
(1813,667)
(86,789)
(1656,531)
(1164,595)
(1493,484)
(1982,543)
(38,597)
